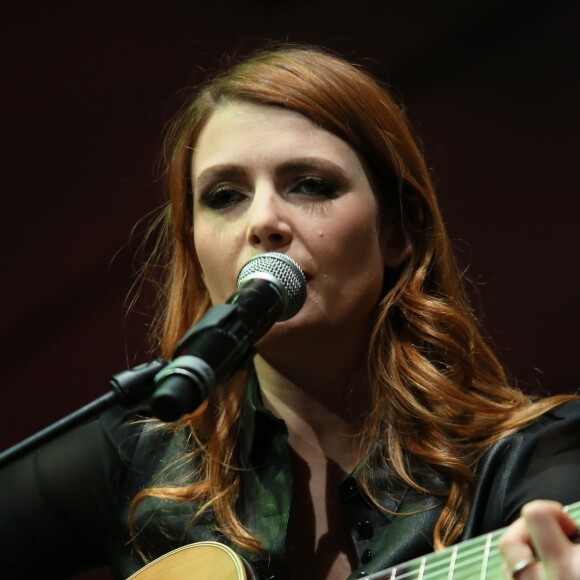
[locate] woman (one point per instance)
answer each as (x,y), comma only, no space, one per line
(374,426)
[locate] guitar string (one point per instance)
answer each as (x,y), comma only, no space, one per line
(494,560)
(443,571)
(470,551)
(469,554)
(486,554)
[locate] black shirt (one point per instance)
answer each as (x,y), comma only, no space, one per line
(64,508)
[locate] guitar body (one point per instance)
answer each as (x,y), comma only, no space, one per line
(202,560)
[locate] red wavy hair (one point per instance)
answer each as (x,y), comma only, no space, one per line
(440,396)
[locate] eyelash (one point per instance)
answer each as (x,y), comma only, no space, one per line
(225,196)
(221,197)
(325,188)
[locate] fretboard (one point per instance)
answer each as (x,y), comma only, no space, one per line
(478,558)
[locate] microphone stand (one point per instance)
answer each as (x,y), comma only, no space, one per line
(272,287)
(128,388)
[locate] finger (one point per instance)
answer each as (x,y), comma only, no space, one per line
(549,528)
(515,546)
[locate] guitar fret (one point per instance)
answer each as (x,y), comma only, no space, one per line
(452,563)
(485,557)
(422,568)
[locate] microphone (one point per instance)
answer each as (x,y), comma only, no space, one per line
(271,288)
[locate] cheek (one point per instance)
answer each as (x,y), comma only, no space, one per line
(358,254)
(200,243)
(357,232)
(214,259)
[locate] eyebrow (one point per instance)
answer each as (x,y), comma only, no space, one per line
(221,171)
(232,171)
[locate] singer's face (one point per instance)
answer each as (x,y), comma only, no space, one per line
(267,179)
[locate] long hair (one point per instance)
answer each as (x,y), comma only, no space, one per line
(440,396)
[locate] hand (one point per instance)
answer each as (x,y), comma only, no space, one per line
(537,546)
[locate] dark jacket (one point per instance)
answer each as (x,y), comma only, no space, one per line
(64,508)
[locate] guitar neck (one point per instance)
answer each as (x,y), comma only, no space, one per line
(478,558)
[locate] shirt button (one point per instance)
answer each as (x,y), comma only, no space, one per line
(366,556)
(361,574)
(348,489)
(365,530)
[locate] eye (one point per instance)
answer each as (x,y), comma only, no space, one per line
(315,186)
(221,197)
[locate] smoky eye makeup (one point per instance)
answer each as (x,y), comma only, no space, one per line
(316,186)
(314,177)
(223,186)
(221,196)
(220,187)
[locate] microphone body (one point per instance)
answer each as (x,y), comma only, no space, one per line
(271,287)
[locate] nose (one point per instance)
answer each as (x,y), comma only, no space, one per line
(269,226)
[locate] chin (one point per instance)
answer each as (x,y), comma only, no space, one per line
(287,336)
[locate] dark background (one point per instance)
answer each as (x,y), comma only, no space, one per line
(492,88)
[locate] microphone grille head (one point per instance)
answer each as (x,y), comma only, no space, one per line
(286,271)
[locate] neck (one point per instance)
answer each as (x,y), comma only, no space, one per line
(321,415)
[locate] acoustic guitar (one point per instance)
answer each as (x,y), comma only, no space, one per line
(475,559)
(202,560)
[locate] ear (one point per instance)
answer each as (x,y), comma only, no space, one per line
(395,243)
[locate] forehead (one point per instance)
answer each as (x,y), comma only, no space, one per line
(240,133)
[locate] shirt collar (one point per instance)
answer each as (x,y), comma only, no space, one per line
(257,425)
